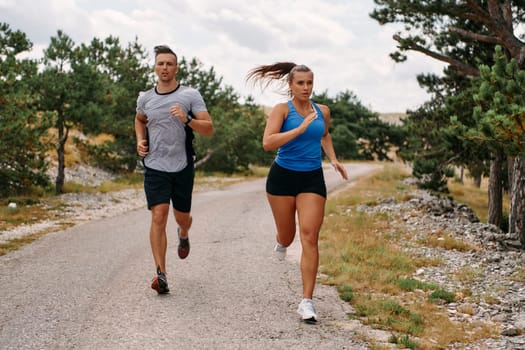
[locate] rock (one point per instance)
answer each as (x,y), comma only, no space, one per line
(512,244)
(510,332)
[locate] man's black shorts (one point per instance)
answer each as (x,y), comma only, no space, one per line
(161,187)
(284,182)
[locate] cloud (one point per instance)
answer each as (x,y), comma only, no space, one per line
(336,38)
(245,31)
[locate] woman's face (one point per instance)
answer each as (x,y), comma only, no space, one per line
(302,85)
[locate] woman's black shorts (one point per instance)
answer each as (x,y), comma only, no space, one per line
(161,187)
(284,182)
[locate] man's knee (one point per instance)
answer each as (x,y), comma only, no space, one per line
(159,213)
(183,219)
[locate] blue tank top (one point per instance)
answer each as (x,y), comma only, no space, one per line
(303,153)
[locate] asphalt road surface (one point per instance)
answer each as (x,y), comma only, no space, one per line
(88,287)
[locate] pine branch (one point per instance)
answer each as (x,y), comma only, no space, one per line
(458,65)
(474,36)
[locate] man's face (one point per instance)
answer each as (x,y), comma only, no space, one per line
(166,67)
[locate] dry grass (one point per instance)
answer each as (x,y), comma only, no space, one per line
(474,197)
(519,275)
(362,256)
(72,154)
(16,243)
(445,241)
(468,274)
(126,181)
(28,211)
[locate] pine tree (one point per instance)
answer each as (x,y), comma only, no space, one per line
(501,124)
(23,164)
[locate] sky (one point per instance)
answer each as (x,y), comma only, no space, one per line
(345,48)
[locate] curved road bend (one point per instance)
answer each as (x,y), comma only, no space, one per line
(88,287)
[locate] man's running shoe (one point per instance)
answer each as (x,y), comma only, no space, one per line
(160,283)
(184,246)
(280,251)
(307,311)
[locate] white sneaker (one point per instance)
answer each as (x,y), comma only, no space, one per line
(280,251)
(307,311)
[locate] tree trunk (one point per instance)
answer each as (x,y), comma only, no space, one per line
(204,159)
(510,171)
(59,182)
(62,138)
(477,181)
(495,216)
(476,173)
(517,200)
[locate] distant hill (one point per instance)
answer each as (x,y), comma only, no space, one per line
(392,118)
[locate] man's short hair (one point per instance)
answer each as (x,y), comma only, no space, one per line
(163,49)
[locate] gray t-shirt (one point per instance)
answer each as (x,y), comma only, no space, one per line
(167,137)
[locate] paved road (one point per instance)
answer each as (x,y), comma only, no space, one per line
(88,287)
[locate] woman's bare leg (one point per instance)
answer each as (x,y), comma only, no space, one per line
(310,211)
(283,209)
